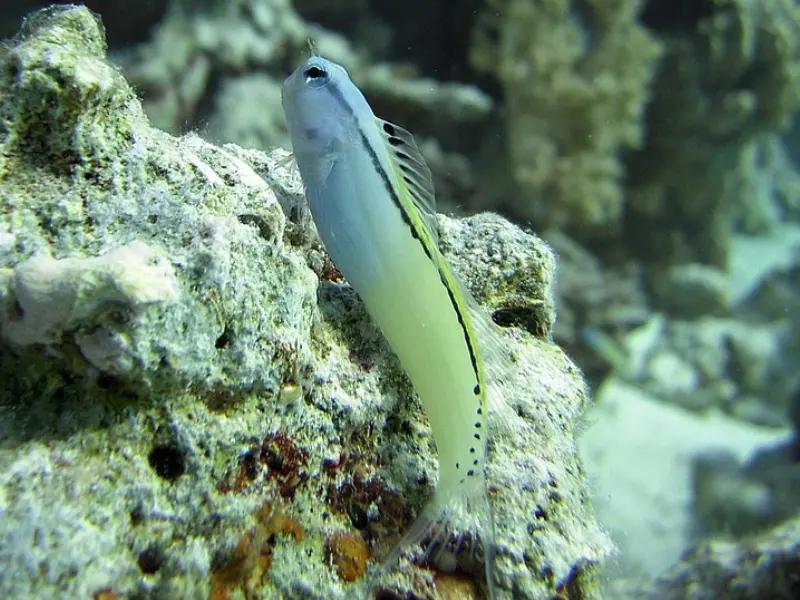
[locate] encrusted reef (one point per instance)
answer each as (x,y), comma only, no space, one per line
(760,566)
(194,405)
(576,78)
(730,75)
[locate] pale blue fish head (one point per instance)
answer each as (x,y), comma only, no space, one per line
(321,103)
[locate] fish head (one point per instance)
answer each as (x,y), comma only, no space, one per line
(318,102)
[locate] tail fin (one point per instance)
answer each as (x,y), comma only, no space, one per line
(448,526)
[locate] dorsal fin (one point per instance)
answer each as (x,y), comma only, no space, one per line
(413,170)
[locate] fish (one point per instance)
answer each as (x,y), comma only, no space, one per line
(371,196)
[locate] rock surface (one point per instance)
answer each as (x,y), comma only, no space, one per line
(193,404)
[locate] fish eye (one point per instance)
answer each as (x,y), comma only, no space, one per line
(314,72)
(316,76)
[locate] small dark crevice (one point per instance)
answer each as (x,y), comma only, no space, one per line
(532,318)
(150,560)
(223,340)
(168,461)
(265,230)
(676,15)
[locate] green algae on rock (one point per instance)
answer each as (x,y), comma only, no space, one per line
(227,400)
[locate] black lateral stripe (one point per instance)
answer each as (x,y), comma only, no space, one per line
(407,220)
(472,358)
(376,164)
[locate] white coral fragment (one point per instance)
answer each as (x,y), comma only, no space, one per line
(43,296)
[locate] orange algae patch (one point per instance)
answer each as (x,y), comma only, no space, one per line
(252,558)
(349,553)
(452,587)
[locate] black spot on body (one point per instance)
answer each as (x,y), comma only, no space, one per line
(470,473)
(477,390)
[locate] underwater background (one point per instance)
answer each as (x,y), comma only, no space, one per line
(194,405)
